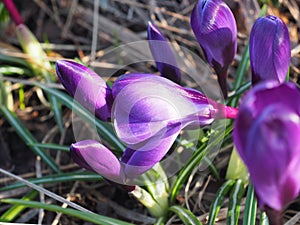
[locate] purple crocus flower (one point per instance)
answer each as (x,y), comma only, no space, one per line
(87,87)
(215,29)
(266,134)
(269,48)
(163,54)
(149,119)
(148,113)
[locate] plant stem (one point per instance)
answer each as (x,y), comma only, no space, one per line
(222,77)
(274,216)
(230,112)
(14,13)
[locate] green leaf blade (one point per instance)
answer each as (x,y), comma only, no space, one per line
(187,217)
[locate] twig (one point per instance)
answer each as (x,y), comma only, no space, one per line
(95,30)
(67,25)
(45,191)
(57,218)
(187,188)
(293,220)
(42,196)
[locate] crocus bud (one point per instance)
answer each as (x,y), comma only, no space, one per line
(266,135)
(215,29)
(163,54)
(95,157)
(269,48)
(87,87)
(148,119)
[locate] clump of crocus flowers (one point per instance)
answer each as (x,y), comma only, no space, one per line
(148,120)
(266,127)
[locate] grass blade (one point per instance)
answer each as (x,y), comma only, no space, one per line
(56,109)
(187,217)
(90,217)
(9,60)
(13,70)
(27,137)
(235,203)
(51,146)
(160,221)
(57,178)
(194,162)
(216,205)
(15,210)
(241,72)
(250,207)
(263,219)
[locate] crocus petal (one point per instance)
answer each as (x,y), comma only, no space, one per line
(140,112)
(260,97)
(269,48)
(215,29)
(273,142)
(86,87)
(141,157)
(94,156)
(266,135)
(163,54)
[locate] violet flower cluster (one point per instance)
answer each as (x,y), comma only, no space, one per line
(148,113)
(215,29)
(267,125)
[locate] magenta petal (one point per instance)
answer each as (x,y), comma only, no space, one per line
(266,134)
(270,51)
(85,86)
(94,156)
(163,54)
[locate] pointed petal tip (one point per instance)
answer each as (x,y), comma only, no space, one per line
(154,33)
(163,54)
(87,87)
